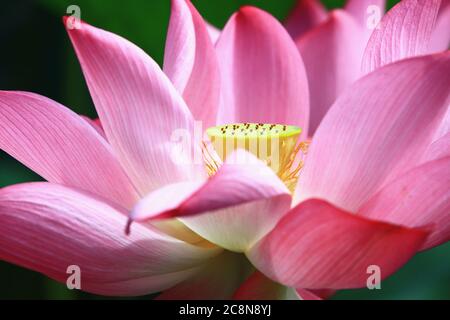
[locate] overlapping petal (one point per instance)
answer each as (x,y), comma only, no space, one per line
(191,63)
(240,203)
(375,131)
(440,37)
(362,10)
(61,146)
(440,148)
(263,77)
(418,198)
(47,228)
(405,31)
(241,179)
(138,106)
(317,245)
(331,53)
(306,15)
(214,33)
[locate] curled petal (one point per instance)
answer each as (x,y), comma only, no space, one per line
(240,203)
(235,183)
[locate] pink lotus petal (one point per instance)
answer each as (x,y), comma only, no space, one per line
(376,130)
(405,31)
(339,43)
(263,77)
(308,295)
(138,106)
(61,146)
(241,202)
(317,245)
(444,127)
(319,294)
(368,14)
(417,198)
(216,280)
(306,15)
(214,33)
(438,149)
(259,287)
(440,37)
(47,228)
(190,62)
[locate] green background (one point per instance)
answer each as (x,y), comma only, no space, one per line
(36,56)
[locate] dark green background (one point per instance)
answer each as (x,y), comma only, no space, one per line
(36,56)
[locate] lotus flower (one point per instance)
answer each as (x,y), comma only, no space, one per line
(372,189)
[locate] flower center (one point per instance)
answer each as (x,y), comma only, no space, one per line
(276,144)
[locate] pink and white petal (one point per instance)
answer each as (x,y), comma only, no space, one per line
(305,16)
(263,77)
(417,198)
(405,31)
(331,53)
(138,106)
(191,63)
(237,228)
(214,33)
(241,179)
(239,204)
(375,131)
(61,146)
(216,280)
(47,228)
(259,287)
(440,37)
(362,11)
(317,245)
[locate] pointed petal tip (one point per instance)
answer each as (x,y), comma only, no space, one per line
(248,12)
